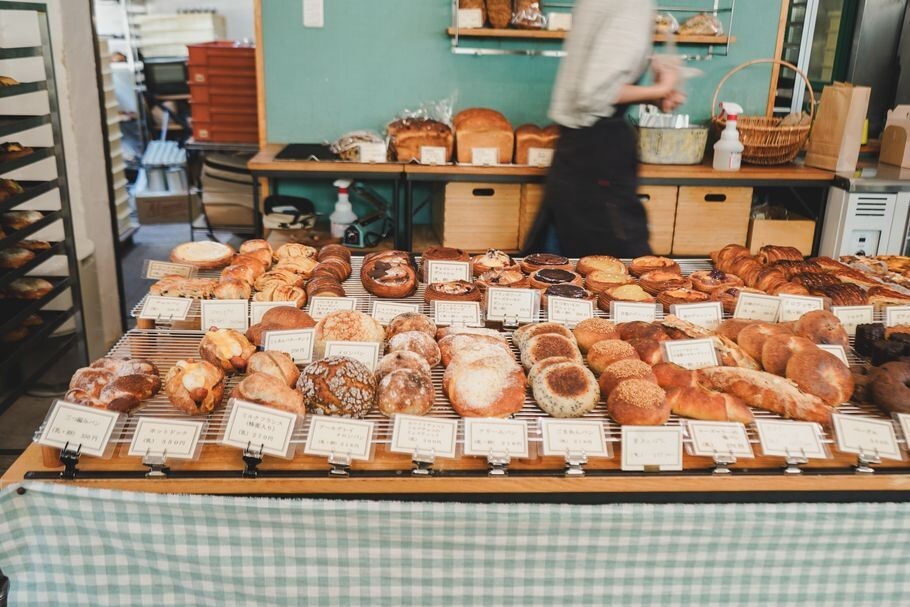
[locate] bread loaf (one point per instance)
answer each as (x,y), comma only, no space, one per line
(483,128)
(475,4)
(499,12)
(529,136)
(408,135)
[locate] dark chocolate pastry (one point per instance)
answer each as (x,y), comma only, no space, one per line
(866,334)
(884,351)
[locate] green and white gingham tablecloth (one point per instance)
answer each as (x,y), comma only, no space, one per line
(72,547)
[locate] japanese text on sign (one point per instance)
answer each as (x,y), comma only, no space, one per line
(420,435)
(89,430)
(171,438)
(651,447)
(330,436)
(564,437)
(496,437)
(256,427)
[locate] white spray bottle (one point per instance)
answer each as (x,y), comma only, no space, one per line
(728,151)
(343,215)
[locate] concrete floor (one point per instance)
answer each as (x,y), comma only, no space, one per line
(18,424)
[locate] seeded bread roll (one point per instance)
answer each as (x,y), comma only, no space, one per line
(549,345)
(405,391)
(620,371)
(638,402)
(592,330)
(605,353)
(338,386)
(565,389)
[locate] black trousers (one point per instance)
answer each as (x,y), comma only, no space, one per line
(592,194)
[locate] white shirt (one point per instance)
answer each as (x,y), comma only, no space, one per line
(607,48)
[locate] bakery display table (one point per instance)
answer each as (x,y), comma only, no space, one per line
(64,545)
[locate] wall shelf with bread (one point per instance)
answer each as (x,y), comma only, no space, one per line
(708,26)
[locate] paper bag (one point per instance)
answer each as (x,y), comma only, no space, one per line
(838,131)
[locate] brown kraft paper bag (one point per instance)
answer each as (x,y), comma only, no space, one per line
(838,131)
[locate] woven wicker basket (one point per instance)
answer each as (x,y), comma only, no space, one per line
(766,141)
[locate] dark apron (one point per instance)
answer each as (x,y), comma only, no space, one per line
(592,193)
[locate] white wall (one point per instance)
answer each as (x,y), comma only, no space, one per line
(237,13)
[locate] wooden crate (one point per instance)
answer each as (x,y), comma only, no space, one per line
(660,205)
(796,232)
(478,216)
(531,200)
(707,218)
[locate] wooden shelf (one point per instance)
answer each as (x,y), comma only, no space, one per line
(488,32)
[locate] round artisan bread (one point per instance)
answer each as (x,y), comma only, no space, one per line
(411,321)
(777,350)
(640,329)
(405,391)
(605,353)
(638,402)
(525,332)
(592,330)
(752,338)
(822,327)
(821,373)
(731,327)
(346,325)
(467,347)
(620,371)
(548,345)
(338,386)
(543,364)
(891,386)
(485,388)
(417,342)
(565,389)
(402,359)
(274,363)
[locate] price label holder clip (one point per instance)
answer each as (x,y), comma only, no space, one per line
(157,465)
(794,461)
(70,458)
(575,463)
(423,462)
(865,461)
(722,463)
(252,458)
(499,463)
(340,464)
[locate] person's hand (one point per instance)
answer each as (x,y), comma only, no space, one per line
(672,101)
(666,73)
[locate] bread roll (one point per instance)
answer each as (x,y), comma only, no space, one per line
(485,388)
(270,391)
(283,318)
(402,359)
(638,402)
(592,330)
(417,342)
(338,386)
(821,373)
(699,403)
(605,353)
(274,363)
(548,345)
(228,349)
(565,389)
(194,387)
(405,391)
(411,321)
(778,349)
(620,371)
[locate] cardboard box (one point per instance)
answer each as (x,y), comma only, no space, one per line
(796,232)
(708,218)
(165,208)
(478,216)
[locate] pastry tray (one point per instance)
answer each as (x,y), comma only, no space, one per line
(354,288)
(164,347)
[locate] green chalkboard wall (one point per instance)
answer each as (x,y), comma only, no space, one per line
(377,57)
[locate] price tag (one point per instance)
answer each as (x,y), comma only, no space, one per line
(754,306)
(626,311)
(719,438)
(691,353)
(794,306)
(372,151)
(366,352)
(432,154)
(256,427)
(258,308)
(320,307)
(470,18)
(569,311)
(866,436)
(484,156)
(790,439)
(651,448)
(170,438)
(424,435)
(559,22)
(156,270)
(296,343)
(330,436)
(707,315)
(165,308)
(224,314)
(904,420)
(540,157)
(456,313)
(897,315)
(385,311)
(84,428)
(499,437)
(569,436)
(448,271)
(513,305)
(837,351)
(851,316)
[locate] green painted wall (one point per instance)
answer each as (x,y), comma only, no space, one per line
(377,57)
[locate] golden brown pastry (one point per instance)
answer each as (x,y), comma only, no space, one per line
(482,128)
(592,330)
(709,405)
(255,244)
(523,334)
(405,391)
(203,254)
(173,285)
(457,290)
(656,281)
(599,281)
(772,253)
(338,251)
(294,249)
(752,338)
(27,287)
(499,12)
(338,386)
(633,293)
(15,257)
(10,150)
(707,281)
(502,278)
(493,259)
(466,347)
(232,289)
(606,352)
(279,292)
(600,263)
(16,220)
(194,387)
(565,389)
(274,363)
(389,275)
(334,267)
(651,263)
(680,296)
(324,286)
(638,402)
(227,349)
(270,391)
(284,318)
(244,272)
(549,345)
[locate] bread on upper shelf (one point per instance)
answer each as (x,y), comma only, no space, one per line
(499,13)
(482,128)
(529,136)
(408,135)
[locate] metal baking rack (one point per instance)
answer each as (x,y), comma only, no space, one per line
(354,288)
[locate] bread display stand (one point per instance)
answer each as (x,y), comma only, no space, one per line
(225,470)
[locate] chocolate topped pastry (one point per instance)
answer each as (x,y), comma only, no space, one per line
(389,276)
(543,278)
(502,278)
(538,261)
(569,291)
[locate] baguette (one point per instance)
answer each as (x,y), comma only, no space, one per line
(701,403)
(766,391)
